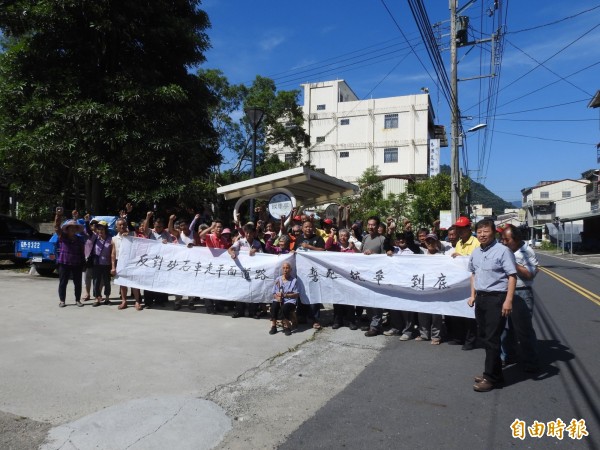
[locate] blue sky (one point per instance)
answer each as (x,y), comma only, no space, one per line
(541,127)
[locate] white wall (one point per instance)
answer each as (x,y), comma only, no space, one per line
(365,137)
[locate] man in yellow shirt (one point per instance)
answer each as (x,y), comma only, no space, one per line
(466,241)
(462,330)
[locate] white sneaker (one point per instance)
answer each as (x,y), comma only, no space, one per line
(391,333)
(405,337)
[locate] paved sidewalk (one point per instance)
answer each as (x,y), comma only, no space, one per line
(99,373)
(590,259)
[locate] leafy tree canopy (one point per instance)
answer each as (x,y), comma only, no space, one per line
(281,126)
(96,100)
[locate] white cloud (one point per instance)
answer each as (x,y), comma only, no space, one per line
(268,43)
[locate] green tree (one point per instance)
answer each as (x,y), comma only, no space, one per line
(371,201)
(96,100)
(281,126)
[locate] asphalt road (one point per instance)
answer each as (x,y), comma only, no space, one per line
(418,396)
(102,378)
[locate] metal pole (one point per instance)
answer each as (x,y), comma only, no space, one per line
(454,165)
(253,168)
(571,238)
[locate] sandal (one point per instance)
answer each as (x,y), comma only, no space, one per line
(123,305)
(96,303)
(436,342)
(138,306)
(86,298)
(420,338)
(317,326)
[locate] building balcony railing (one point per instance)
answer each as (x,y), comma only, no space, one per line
(591,192)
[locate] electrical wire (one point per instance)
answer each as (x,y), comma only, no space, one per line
(543,107)
(544,61)
(412,48)
(548,69)
(520,97)
(544,139)
(554,22)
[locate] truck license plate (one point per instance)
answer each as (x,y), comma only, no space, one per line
(36,259)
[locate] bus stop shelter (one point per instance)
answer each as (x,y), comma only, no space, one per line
(302,185)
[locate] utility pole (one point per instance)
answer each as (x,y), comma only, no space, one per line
(454,166)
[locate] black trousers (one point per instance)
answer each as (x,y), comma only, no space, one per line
(64,273)
(488,313)
(151,297)
(287,308)
(240,308)
(462,329)
(343,312)
(101,278)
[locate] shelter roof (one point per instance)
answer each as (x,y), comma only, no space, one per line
(310,187)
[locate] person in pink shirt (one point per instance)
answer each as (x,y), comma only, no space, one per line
(213,236)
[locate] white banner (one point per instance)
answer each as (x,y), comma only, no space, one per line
(432,284)
(197,271)
(421,283)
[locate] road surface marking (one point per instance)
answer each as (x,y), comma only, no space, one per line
(579,289)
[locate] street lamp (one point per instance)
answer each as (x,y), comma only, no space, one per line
(479,126)
(254,116)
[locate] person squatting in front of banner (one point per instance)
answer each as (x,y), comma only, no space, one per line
(285,296)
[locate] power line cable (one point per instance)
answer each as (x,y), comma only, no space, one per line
(548,69)
(544,107)
(370,56)
(545,61)
(554,22)
(347,68)
(548,120)
(544,139)
(520,97)
(412,48)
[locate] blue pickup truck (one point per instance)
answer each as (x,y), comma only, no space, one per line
(43,254)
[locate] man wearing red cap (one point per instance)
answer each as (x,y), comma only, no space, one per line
(326,230)
(463,330)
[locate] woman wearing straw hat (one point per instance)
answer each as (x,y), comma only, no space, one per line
(70,256)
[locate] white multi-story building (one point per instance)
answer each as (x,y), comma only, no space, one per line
(349,135)
(551,199)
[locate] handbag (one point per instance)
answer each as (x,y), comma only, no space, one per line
(89,262)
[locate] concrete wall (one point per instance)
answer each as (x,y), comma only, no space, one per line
(349,136)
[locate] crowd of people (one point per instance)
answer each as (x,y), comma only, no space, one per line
(88,254)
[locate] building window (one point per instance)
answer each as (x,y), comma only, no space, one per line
(390,155)
(566,194)
(344,154)
(320,139)
(391,121)
(289,158)
(345,122)
(320,107)
(544,194)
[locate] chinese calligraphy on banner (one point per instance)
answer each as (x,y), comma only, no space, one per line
(431,284)
(414,283)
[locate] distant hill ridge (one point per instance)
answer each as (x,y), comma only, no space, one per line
(482,195)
